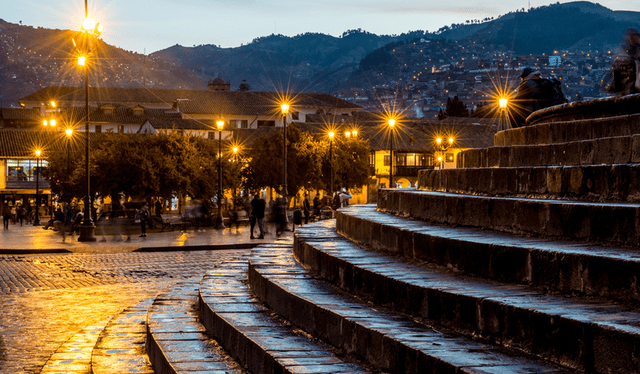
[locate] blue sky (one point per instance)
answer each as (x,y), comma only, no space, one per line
(150,25)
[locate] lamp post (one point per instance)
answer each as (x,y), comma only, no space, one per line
(36,220)
(442,147)
(285,110)
(219,220)
(392,124)
(90,29)
(331,135)
(502,102)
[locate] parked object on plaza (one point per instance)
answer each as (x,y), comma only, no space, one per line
(535,93)
(624,76)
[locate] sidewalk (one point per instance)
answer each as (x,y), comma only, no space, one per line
(29,239)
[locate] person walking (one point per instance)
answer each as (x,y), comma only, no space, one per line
(258,206)
(306,208)
(281,215)
(143,215)
(6,216)
(69,217)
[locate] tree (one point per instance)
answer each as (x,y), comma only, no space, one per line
(351,162)
(303,161)
(244,87)
(456,108)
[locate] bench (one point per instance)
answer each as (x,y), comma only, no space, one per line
(239,218)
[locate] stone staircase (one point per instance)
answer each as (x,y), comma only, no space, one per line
(523,260)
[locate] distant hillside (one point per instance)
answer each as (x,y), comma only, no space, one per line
(311,62)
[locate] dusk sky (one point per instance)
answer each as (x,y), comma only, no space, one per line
(151,25)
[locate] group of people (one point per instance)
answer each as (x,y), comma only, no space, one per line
(258,208)
(67,221)
(17,214)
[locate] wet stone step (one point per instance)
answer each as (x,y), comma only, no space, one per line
(607,222)
(176,340)
(120,347)
(557,266)
(597,337)
(262,342)
(388,341)
(74,356)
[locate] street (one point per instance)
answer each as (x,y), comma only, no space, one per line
(45,299)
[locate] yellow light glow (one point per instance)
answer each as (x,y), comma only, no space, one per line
(88,24)
(284,108)
(82,60)
(347,134)
(392,122)
(52,123)
(53,104)
(45,123)
(331,134)
(354,132)
(235,149)
(450,141)
(69,132)
(439,141)
(37,153)
(503,102)
(439,158)
(220,124)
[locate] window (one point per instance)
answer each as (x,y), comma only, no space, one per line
(24,170)
(239,123)
(387,160)
(449,157)
(295,116)
(266,123)
(120,129)
(98,128)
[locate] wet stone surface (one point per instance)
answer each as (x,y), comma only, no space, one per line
(46,300)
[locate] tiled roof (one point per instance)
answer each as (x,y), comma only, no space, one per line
(182,124)
(20,114)
(23,143)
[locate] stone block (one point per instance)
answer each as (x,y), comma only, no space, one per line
(518,136)
(582,130)
(529,134)
(635,149)
(472,179)
(503,181)
(502,213)
(633,191)
(567,221)
(554,181)
(505,156)
(587,150)
(621,148)
(543,134)
(499,139)
(634,124)
(493,157)
(547,155)
(567,153)
(573,181)
(530,217)
(531,180)
(484,158)
(618,181)
(614,224)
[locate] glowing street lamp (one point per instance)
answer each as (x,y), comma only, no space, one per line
(284,108)
(91,29)
(331,135)
(219,220)
(503,102)
(392,124)
(442,147)
(36,220)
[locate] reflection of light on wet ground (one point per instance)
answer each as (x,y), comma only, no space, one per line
(180,242)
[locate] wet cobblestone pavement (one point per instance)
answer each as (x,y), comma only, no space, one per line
(47,299)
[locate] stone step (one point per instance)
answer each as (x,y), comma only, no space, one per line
(74,356)
(176,340)
(259,340)
(607,222)
(570,131)
(554,266)
(590,109)
(588,183)
(120,347)
(611,150)
(584,334)
(386,340)
(111,346)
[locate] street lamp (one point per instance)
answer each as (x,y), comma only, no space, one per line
(69,133)
(331,135)
(392,124)
(36,220)
(502,102)
(442,147)
(284,107)
(90,29)
(219,220)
